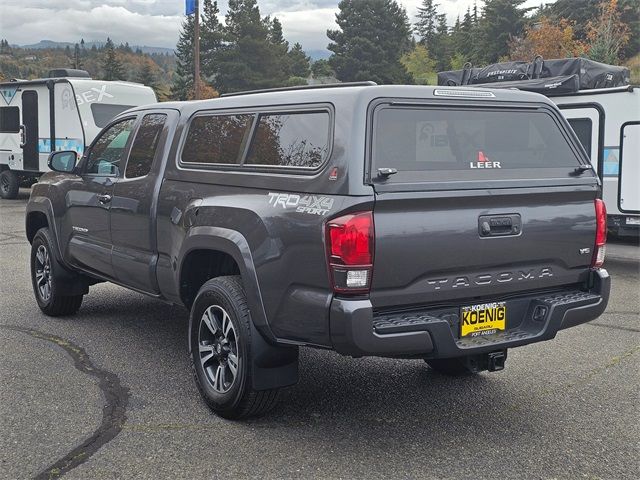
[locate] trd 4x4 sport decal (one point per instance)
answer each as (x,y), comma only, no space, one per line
(311,204)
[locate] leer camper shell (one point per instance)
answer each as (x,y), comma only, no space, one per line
(602,108)
(63,112)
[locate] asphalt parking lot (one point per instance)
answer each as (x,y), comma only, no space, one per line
(108,394)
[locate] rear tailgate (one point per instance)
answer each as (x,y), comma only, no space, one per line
(486,202)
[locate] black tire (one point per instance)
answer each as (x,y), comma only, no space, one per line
(46,271)
(9,184)
(453,367)
(238,399)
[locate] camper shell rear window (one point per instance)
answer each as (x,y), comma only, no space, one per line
(9,119)
(436,144)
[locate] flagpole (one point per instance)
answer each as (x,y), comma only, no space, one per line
(196,53)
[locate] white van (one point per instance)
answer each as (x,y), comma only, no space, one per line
(63,112)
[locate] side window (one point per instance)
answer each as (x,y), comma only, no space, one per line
(106,155)
(9,119)
(290,140)
(144,145)
(216,139)
(582,127)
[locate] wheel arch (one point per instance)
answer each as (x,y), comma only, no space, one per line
(221,251)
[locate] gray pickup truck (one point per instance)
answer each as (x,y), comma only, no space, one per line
(444,224)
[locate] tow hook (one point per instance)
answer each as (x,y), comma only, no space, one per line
(495,361)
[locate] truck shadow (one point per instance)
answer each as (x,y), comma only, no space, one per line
(337,399)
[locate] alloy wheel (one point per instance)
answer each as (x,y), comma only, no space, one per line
(43,272)
(218,348)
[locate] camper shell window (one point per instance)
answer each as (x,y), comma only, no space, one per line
(103,113)
(433,144)
(9,119)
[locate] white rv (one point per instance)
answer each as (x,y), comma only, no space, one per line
(63,112)
(607,122)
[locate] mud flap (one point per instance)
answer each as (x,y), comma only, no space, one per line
(272,367)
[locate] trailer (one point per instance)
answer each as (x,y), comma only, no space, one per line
(607,122)
(64,111)
(602,108)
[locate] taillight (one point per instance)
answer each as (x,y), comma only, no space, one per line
(350,242)
(599,250)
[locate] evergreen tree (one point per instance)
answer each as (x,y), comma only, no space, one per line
(211,38)
(183,79)
(111,64)
(426,24)
(146,75)
(501,20)
(250,60)
(373,35)
(281,46)
(77,59)
(299,62)
(441,50)
(321,68)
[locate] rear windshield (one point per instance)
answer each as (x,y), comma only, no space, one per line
(434,144)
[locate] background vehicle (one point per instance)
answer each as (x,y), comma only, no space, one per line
(602,108)
(448,224)
(66,110)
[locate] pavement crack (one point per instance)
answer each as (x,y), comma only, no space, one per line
(113,413)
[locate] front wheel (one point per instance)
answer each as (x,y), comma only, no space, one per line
(46,274)
(9,184)
(220,343)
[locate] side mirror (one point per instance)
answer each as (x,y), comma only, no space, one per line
(63,161)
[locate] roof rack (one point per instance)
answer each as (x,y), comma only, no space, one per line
(302,87)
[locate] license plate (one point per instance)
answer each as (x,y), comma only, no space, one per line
(633,220)
(483,319)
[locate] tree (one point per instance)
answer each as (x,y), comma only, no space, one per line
(372,37)
(501,20)
(608,34)
(426,24)
(419,64)
(250,60)
(147,74)
(111,64)
(321,68)
(183,79)
(549,39)
(441,45)
(299,62)
(211,38)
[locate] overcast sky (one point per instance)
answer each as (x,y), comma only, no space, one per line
(157,22)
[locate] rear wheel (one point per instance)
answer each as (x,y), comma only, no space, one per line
(9,184)
(220,341)
(46,272)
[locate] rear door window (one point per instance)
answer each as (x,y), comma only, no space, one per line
(290,140)
(143,149)
(431,144)
(583,128)
(216,139)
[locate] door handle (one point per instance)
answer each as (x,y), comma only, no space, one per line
(104,198)
(499,225)
(23,136)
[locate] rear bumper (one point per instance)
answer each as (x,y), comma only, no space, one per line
(357,331)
